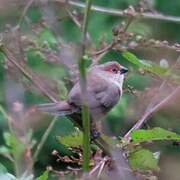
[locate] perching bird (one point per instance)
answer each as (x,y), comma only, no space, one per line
(104,89)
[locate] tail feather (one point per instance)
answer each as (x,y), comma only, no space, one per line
(59,109)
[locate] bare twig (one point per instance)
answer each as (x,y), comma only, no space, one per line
(95,168)
(43,139)
(99,54)
(154,109)
(27,73)
(153,106)
(118,12)
(28,5)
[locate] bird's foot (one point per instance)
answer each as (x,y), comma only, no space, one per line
(95,134)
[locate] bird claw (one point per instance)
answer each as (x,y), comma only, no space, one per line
(95,134)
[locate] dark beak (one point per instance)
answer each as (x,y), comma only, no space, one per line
(123,70)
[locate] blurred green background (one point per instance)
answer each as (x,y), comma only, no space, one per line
(130,108)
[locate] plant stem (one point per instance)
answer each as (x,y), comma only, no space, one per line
(43,139)
(147,114)
(119,12)
(83,83)
(6,116)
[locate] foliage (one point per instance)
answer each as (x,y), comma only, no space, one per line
(44,176)
(37,36)
(143,160)
(155,134)
(72,140)
(146,65)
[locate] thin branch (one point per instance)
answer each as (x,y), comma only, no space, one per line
(118,12)
(44,138)
(154,109)
(28,5)
(9,120)
(28,74)
(98,165)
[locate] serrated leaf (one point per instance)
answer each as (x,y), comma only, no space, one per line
(153,135)
(73,140)
(146,65)
(143,160)
(44,176)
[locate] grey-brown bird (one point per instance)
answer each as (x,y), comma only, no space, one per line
(104,89)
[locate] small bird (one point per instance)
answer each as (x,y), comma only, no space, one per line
(104,89)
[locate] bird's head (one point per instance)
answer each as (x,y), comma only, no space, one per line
(113,71)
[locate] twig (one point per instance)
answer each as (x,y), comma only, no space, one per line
(28,74)
(148,113)
(43,139)
(95,168)
(77,22)
(118,12)
(28,5)
(101,169)
(110,46)
(9,119)
(153,107)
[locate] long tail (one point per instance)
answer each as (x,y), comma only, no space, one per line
(59,109)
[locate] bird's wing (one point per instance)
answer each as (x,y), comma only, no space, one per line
(109,97)
(100,93)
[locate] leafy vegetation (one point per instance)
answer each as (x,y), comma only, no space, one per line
(39,46)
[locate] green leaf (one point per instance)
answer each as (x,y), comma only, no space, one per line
(44,176)
(62,89)
(143,159)
(146,65)
(15,146)
(46,38)
(6,152)
(3,169)
(73,140)
(7,138)
(153,135)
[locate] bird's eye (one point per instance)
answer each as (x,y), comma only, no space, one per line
(114,70)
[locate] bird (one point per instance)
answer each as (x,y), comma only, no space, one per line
(104,89)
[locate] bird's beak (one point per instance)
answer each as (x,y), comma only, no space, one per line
(123,70)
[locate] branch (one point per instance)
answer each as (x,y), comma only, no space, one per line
(43,139)
(154,109)
(27,73)
(118,12)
